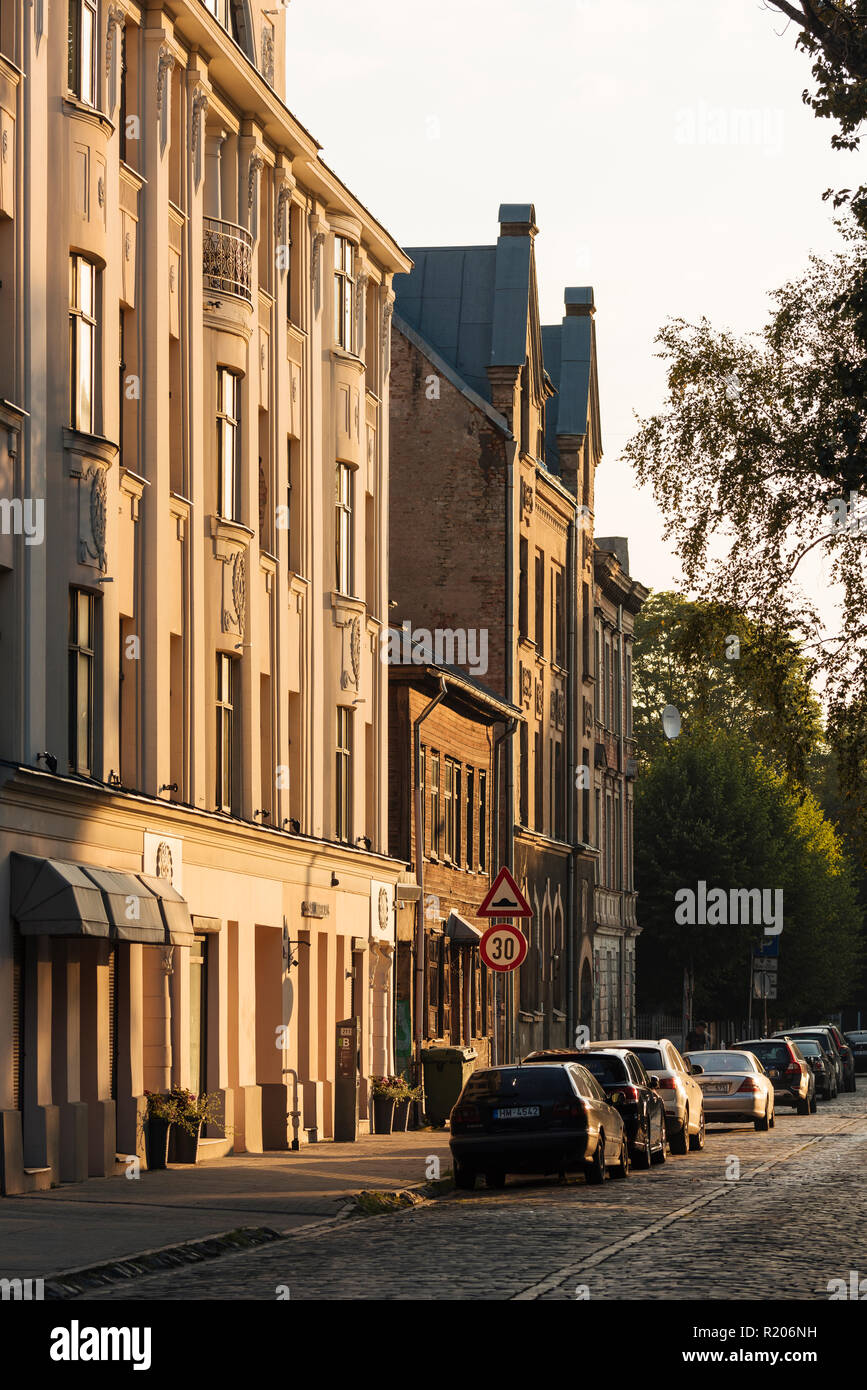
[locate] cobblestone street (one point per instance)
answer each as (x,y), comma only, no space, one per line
(791,1221)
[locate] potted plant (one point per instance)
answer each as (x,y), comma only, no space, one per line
(192,1112)
(162,1112)
(403,1105)
(386,1091)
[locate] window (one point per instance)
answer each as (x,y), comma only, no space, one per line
(539,758)
(617,680)
(483,822)
(471,816)
(597,672)
(225,733)
(628,710)
(559,793)
(82,50)
(343,818)
(606,681)
(423,790)
(456,856)
(559,618)
(82,663)
(344,292)
(523,582)
(343,529)
(524,776)
(449,809)
(540,603)
(585,799)
(228,435)
(586,615)
(82,343)
(435,822)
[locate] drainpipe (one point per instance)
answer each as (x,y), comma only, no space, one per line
(625,1024)
(418,1001)
(509,858)
(573,695)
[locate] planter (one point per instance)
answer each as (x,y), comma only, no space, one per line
(383,1114)
(401,1115)
(156,1137)
(184,1146)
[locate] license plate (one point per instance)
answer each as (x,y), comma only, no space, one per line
(516,1112)
(721,1090)
(773,1073)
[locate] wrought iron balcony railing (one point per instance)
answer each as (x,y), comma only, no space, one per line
(227,258)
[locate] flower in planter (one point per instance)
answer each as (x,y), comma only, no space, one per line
(195,1111)
(162,1107)
(392,1087)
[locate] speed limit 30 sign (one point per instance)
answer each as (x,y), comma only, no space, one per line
(503,947)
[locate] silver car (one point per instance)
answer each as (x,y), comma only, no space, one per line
(735,1087)
(679,1089)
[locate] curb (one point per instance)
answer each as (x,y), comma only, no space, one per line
(71,1282)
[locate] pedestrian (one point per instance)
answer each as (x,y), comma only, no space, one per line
(697,1039)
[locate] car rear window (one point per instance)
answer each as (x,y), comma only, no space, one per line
(605,1069)
(810,1047)
(826,1039)
(722,1061)
(527,1083)
(770,1054)
(650,1057)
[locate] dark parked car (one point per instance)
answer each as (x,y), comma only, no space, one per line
(823,1066)
(858,1043)
(843,1056)
(630,1090)
(791,1073)
(843,1043)
(550,1118)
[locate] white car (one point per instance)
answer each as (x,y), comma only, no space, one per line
(735,1086)
(681,1094)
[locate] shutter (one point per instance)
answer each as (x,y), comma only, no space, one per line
(112,1021)
(17,1017)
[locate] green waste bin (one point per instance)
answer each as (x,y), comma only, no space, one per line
(445,1071)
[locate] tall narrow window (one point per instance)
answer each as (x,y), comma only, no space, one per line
(423,790)
(483,822)
(617,682)
(456,791)
(540,603)
(628,697)
(539,760)
(344,292)
(228,435)
(597,671)
(82,663)
(471,815)
(343,802)
(524,775)
(523,582)
(225,733)
(343,529)
(559,793)
(449,809)
(435,821)
(82,343)
(81,73)
(559,618)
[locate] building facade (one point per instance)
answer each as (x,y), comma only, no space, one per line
(495,442)
(195,883)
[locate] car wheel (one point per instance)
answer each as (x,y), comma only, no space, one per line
(662,1152)
(594,1171)
(802,1106)
(465,1177)
(495,1177)
(773,1119)
(696,1141)
(852,1086)
(813,1104)
(644,1155)
(680,1140)
(623,1167)
(765,1121)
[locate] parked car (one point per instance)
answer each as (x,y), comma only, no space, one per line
(826,1037)
(792,1075)
(680,1091)
(551,1118)
(735,1087)
(845,1052)
(823,1067)
(858,1043)
(630,1090)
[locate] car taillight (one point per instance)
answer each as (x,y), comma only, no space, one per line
(817,1063)
(627,1092)
(749,1085)
(466,1115)
(667,1083)
(567,1110)
(793,1069)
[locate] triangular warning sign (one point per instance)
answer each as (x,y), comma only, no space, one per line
(505,898)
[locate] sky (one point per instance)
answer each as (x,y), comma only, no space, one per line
(664,143)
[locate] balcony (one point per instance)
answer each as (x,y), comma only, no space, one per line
(227,258)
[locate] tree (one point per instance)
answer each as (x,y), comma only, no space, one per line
(718,667)
(711,810)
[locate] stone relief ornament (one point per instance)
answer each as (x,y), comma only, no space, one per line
(166,63)
(256,163)
(116,19)
(164,861)
(558,708)
(239,590)
(540,699)
(527,497)
(200,107)
(268,53)
(91,536)
(355,648)
(387,311)
(383,908)
(526,684)
(100,192)
(318,244)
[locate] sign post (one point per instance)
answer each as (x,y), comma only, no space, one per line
(503,947)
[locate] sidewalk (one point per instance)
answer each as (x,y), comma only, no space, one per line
(83,1224)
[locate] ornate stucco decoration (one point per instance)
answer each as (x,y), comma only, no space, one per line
(92,518)
(558,708)
(199,109)
(540,699)
(268,53)
(165,867)
(382,909)
(360,314)
(165,66)
(387,311)
(256,163)
(239,591)
(318,244)
(526,676)
(115,19)
(527,498)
